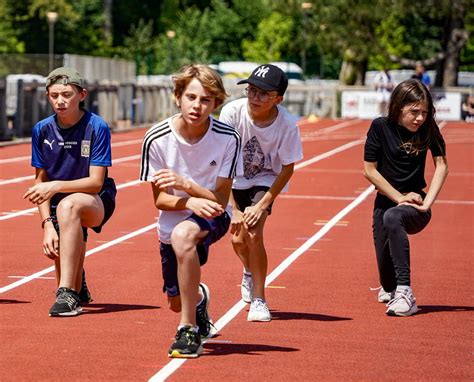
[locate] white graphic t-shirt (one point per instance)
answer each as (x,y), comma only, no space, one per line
(264,149)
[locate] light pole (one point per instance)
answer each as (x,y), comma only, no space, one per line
(306,7)
(52,18)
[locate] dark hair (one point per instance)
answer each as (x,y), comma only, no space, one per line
(409,92)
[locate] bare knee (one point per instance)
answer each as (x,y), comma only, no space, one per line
(254,238)
(183,239)
(67,210)
(238,243)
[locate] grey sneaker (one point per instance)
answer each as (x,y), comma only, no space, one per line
(385,296)
(246,287)
(66,305)
(403,304)
(259,311)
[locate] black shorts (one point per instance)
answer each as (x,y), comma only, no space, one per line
(250,197)
(107,195)
(217,228)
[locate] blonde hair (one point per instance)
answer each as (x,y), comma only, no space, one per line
(209,79)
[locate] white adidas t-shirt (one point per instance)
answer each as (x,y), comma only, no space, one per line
(264,150)
(215,155)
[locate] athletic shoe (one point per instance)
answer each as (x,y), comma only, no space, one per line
(84,293)
(187,344)
(246,287)
(403,304)
(67,303)
(385,296)
(259,311)
(203,320)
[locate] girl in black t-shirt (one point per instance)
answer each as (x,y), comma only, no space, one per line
(394,161)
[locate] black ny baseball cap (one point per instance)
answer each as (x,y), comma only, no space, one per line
(268,77)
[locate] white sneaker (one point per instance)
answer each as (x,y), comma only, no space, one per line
(246,287)
(403,304)
(385,296)
(259,311)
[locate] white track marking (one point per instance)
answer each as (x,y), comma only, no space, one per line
(117,144)
(315,159)
(88,253)
(175,364)
(327,154)
(31,177)
(33,210)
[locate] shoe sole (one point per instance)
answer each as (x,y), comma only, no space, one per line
(177,354)
(73,313)
(251,319)
(411,312)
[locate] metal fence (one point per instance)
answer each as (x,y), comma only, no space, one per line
(124,105)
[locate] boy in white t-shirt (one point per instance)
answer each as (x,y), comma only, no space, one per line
(190,160)
(271,145)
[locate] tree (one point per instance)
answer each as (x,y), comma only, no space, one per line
(9,42)
(273,37)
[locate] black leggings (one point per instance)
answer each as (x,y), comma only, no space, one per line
(391,226)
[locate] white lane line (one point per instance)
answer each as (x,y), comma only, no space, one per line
(88,253)
(30,211)
(117,144)
(330,128)
(16,180)
(16,159)
(315,159)
(175,364)
(30,177)
(329,153)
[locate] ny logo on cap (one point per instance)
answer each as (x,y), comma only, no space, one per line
(262,71)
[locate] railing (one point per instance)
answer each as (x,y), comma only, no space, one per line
(125,105)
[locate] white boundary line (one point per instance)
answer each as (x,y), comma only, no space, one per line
(30,177)
(315,159)
(88,253)
(30,211)
(329,153)
(116,144)
(175,364)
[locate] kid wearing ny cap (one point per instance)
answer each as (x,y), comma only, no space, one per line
(71,153)
(270,147)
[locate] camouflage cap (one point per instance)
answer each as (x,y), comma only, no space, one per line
(65,76)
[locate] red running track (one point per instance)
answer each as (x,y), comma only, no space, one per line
(327,324)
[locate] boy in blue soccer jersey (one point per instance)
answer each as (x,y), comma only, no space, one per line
(190,160)
(71,152)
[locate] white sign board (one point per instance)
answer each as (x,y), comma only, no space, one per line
(364,105)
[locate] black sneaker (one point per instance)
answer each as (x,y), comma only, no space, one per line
(187,344)
(203,321)
(67,303)
(84,293)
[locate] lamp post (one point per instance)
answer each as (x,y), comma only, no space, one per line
(306,7)
(52,17)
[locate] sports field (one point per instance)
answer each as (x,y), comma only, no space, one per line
(327,324)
